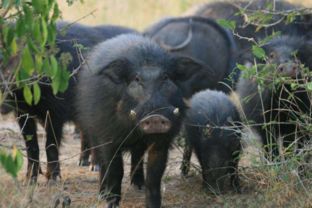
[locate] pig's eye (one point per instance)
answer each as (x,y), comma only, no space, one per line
(272,55)
(165,77)
(137,78)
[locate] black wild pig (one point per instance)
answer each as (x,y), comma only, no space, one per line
(230,10)
(131,97)
(202,39)
(275,98)
(53,111)
(212,126)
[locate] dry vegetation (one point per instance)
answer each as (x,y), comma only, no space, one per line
(131,13)
(262,185)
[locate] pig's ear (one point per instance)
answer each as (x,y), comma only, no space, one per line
(191,75)
(304,54)
(117,71)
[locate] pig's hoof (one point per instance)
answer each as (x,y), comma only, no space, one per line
(54,180)
(94,168)
(138,183)
(83,162)
(112,205)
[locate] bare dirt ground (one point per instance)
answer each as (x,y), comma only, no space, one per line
(259,188)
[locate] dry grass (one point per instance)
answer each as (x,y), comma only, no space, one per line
(131,13)
(262,185)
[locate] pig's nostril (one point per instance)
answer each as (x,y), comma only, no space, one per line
(155,124)
(281,69)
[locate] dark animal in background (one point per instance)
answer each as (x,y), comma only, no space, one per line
(213,129)
(202,39)
(230,10)
(53,111)
(133,99)
(276,109)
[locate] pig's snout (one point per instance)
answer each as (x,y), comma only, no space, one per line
(288,69)
(4,109)
(155,124)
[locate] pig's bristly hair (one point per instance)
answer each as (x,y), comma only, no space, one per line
(204,104)
(290,41)
(134,48)
(88,35)
(99,115)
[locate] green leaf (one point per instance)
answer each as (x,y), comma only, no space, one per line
(12,163)
(9,165)
(28,17)
(13,47)
(56,80)
(258,52)
(56,12)
(37,32)
(64,77)
(54,67)
(33,47)
(27,61)
(9,35)
(291,17)
(20,27)
(27,95)
(37,93)
(52,32)
(37,4)
(4,32)
(229,24)
(55,85)
(22,75)
(60,80)
(242,67)
(29,138)
(309,86)
(46,66)
(294,86)
(44,33)
(18,160)
(39,64)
